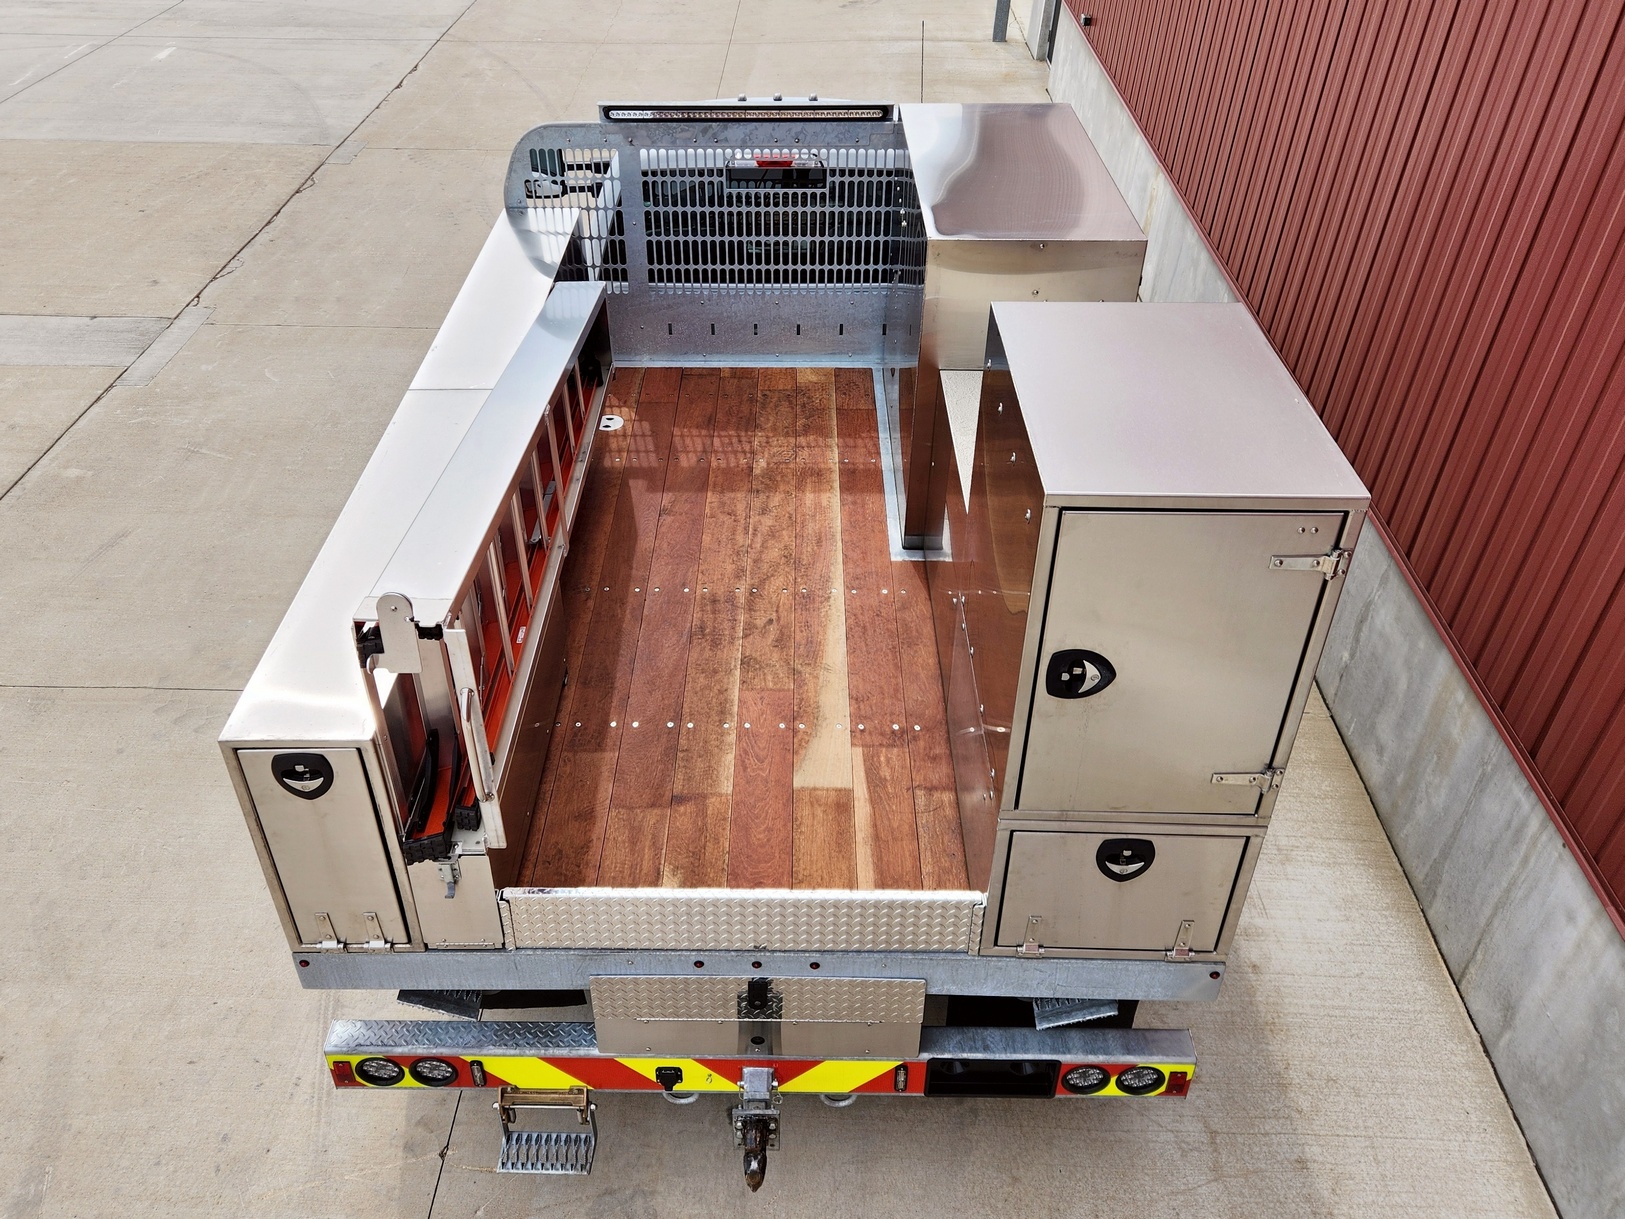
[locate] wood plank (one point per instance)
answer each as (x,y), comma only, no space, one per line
(634,846)
(696,853)
(875,676)
(643,777)
(822,854)
(888,793)
(923,700)
(595,517)
(568,850)
(697,833)
(863,825)
(578,583)
(775,436)
(768,647)
(813,411)
(572,836)
(705,744)
(760,825)
(822,710)
(661,384)
(942,849)
(855,389)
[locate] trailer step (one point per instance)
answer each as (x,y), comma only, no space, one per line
(568,1151)
(551,1151)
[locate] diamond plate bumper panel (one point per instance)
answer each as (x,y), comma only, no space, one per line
(767,920)
(474,1038)
(884,1000)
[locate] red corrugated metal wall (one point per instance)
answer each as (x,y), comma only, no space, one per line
(1425,205)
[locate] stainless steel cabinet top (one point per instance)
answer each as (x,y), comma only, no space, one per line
(1012,172)
(309,685)
(1171,402)
(433,559)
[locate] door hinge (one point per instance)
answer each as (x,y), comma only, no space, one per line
(1031,947)
(330,941)
(1181,951)
(1264,780)
(1329,565)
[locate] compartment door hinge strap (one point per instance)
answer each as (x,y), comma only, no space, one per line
(1181,951)
(1329,565)
(1264,780)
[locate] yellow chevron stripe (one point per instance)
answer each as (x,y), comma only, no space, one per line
(696,1076)
(530,1073)
(836,1078)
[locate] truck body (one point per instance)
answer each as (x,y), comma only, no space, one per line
(806,629)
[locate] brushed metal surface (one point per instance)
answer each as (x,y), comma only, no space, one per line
(435,556)
(1053,875)
(328,852)
(470,918)
(664,997)
(1207,640)
(812,1017)
(308,686)
(770,920)
(1017,206)
(1173,400)
(1121,976)
(1006,170)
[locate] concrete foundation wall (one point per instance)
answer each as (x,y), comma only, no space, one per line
(1540,966)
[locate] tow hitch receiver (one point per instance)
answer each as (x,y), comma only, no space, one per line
(527,1148)
(756,1122)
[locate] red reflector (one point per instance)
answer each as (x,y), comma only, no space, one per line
(344,1076)
(1178,1084)
(774,162)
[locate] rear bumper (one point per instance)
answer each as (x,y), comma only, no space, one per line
(1065,1062)
(956,973)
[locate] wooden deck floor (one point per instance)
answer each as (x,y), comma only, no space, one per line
(754,698)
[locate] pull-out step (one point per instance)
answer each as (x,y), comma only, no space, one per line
(525,1149)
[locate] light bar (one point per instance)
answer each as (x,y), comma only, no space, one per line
(724,114)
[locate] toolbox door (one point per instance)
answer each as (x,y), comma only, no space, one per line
(1128,892)
(316,810)
(1170,648)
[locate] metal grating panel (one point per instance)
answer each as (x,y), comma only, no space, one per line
(725,919)
(568,1152)
(862,226)
(563,179)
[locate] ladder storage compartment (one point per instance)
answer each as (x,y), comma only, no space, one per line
(1144,551)
(461,632)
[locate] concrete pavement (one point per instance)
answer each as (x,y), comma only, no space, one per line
(318,179)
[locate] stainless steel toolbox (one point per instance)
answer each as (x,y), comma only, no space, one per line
(1142,557)
(1016,204)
